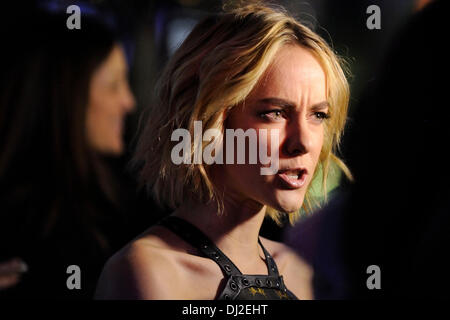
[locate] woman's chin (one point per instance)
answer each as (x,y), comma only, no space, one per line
(110,148)
(288,201)
(288,205)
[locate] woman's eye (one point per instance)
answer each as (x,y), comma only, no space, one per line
(320,116)
(273,115)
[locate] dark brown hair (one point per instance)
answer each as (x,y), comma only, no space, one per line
(46,164)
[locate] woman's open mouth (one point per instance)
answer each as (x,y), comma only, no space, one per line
(293,178)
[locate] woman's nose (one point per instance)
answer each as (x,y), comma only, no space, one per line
(298,140)
(128,100)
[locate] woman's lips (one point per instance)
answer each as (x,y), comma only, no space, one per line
(293,179)
(118,126)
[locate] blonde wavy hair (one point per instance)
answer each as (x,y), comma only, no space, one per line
(214,70)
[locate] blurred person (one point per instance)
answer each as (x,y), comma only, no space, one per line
(253,67)
(396,216)
(63,101)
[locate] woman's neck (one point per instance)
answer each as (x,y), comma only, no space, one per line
(235,232)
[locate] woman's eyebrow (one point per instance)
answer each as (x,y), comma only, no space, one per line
(279,102)
(320,106)
(291,105)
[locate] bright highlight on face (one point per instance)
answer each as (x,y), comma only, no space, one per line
(291,97)
(110,99)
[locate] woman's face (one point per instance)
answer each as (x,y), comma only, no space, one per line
(110,99)
(290,97)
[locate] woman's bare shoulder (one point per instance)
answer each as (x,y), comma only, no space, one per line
(146,268)
(281,251)
(296,271)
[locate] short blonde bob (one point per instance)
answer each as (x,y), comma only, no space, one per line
(214,70)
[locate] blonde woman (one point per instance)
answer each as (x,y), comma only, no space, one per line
(250,68)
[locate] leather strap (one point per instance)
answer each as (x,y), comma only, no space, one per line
(199,240)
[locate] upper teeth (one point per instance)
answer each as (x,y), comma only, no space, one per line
(292,176)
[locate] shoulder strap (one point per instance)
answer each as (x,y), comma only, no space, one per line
(270,262)
(199,240)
